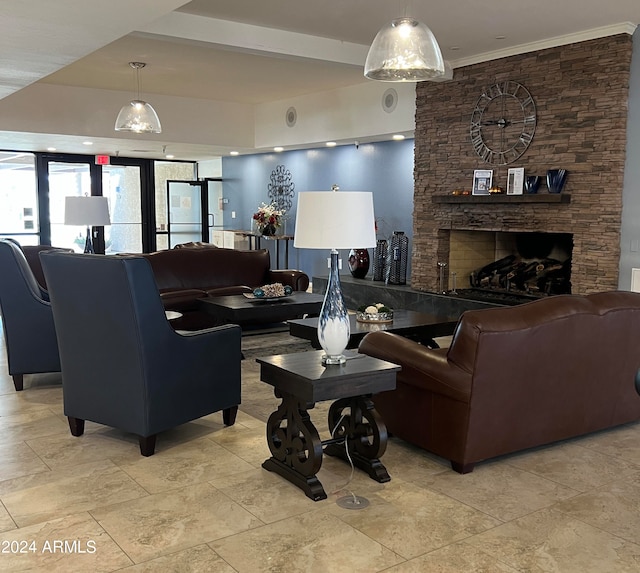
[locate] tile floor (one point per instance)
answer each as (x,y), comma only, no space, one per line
(203,503)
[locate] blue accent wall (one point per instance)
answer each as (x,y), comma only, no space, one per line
(385,169)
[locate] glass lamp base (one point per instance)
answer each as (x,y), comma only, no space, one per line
(340,359)
(88,245)
(334,328)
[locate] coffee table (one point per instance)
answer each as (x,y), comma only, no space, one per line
(419,326)
(301,380)
(238,309)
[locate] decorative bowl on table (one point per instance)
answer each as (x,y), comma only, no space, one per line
(374,313)
(269,292)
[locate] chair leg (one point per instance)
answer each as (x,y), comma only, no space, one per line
(147,445)
(229,415)
(18,381)
(462,468)
(76,425)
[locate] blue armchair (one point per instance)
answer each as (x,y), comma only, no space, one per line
(123,365)
(27,321)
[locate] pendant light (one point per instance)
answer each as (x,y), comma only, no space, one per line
(404,51)
(138,116)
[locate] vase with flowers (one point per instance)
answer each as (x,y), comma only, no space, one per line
(268,219)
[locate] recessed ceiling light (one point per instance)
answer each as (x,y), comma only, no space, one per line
(87,143)
(234,153)
(51,148)
(278,149)
(331,144)
(398,137)
(169,156)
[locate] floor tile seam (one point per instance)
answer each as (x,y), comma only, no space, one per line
(499,558)
(252,464)
(542,476)
(576,518)
(10,516)
(455,499)
(598,527)
(578,491)
(106,532)
(51,468)
(209,544)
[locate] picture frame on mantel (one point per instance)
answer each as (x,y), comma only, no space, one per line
(515,181)
(482,179)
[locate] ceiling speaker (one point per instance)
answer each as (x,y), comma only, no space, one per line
(389,100)
(291,116)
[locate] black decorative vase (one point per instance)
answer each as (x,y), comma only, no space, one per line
(397,259)
(268,230)
(359,262)
(380,260)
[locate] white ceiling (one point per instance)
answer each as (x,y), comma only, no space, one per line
(254,51)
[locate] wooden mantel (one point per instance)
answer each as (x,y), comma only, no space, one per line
(502,198)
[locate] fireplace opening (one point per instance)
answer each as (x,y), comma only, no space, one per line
(514,264)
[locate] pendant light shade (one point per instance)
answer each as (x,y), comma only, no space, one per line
(404,51)
(138,116)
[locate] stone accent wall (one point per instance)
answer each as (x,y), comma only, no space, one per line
(581,95)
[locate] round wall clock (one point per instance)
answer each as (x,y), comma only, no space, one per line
(503,123)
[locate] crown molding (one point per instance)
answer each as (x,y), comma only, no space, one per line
(592,34)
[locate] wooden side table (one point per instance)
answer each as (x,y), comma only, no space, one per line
(301,380)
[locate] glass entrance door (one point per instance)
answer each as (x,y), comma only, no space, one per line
(19,207)
(122,185)
(67,178)
(187,204)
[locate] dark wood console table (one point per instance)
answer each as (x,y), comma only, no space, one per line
(301,380)
(419,326)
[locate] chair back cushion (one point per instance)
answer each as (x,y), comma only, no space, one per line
(27,320)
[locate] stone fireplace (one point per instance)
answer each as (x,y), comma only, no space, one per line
(581,96)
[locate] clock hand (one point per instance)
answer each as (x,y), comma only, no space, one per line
(502,122)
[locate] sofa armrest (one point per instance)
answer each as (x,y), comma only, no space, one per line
(422,367)
(228,291)
(181,299)
(297,280)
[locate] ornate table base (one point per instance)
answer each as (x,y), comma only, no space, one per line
(296,448)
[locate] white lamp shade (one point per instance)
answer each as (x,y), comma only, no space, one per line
(139,117)
(404,51)
(335,220)
(88,211)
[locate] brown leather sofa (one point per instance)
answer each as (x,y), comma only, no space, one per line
(184,275)
(515,377)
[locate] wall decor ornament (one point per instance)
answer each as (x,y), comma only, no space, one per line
(281,188)
(503,123)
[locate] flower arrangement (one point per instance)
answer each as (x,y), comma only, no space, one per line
(268,218)
(374,313)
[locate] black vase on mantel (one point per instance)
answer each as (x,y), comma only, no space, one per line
(380,260)
(359,262)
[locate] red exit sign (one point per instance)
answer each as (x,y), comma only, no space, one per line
(102,160)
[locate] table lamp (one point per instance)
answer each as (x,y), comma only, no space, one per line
(334,220)
(89,211)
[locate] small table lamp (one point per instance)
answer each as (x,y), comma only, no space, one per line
(86,210)
(334,220)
